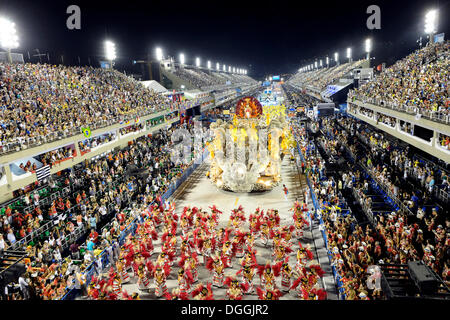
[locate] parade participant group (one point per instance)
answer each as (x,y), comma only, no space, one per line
(250,256)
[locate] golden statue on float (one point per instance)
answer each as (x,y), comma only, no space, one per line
(246,152)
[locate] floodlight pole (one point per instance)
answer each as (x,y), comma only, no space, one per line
(8,55)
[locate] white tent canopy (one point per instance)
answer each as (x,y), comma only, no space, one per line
(152,84)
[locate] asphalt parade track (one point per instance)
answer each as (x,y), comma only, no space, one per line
(198,191)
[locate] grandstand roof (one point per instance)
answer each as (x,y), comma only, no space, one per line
(156,86)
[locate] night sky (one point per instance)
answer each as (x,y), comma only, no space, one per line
(274,37)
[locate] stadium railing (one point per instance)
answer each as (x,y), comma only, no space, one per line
(432,115)
(337,277)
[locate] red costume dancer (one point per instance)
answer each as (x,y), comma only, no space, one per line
(198,240)
(183,285)
(216,264)
(316,294)
(193,264)
(286,273)
(303,255)
(281,251)
(300,220)
(249,258)
(267,275)
(238,243)
(273,218)
(268,294)
(301,284)
(120,265)
(265,231)
(315,272)
(116,286)
(187,271)
(307,281)
(249,241)
(143,280)
(227,252)
(235,290)
(186,246)
(254,224)
(286,234)
(203,293)
(237,217)
(208,248)
(247,272)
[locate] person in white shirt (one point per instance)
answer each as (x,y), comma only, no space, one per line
(3,245)
(24,288)
(11,237)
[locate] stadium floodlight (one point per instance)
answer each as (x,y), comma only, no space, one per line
(8,37)
(224,68)
(208,64)
(182,58)
(234,70)
(197,62)
(315,64)
(229,68)
(328,61)
(159,54)
(336,57)
(320,63)
(110,51)
(431,23)
(349,54)
(368,47)
(217,66)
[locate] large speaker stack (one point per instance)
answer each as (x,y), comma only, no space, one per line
(423,277)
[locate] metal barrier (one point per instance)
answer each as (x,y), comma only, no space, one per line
(336,276)
(432,115)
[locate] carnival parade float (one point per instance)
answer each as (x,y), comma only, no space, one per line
(247,151)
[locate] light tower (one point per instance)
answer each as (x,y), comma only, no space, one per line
(110,52)
(431,23)
(336,58)
(8,37)
(368,47)
(159,54)
(349,54)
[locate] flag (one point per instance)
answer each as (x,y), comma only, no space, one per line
(43,172)
(87,132)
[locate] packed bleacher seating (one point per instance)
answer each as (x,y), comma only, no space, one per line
(41,102)
(398,188)
(416,84)
(209,80)
(99,192)
(319,79)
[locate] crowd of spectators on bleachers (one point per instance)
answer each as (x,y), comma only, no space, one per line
(205,80)
(319,79)
(100,194)
(414,184)
(87,144)
(396,237)
(419,81)
(43,101)
(55,156)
